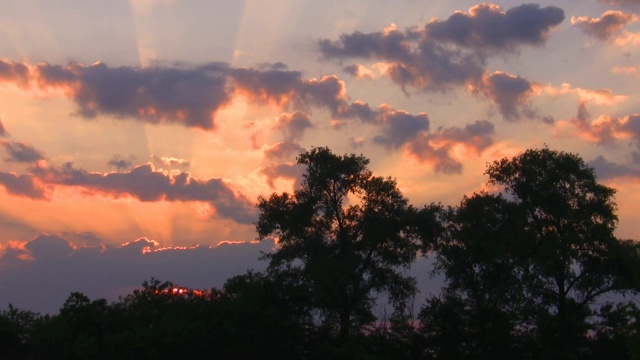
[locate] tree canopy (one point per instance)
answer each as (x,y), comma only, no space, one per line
(531,263)
(346,233)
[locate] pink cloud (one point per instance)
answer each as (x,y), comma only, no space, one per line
(438,148)
(605,27)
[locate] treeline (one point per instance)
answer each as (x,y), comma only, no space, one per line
(532,271)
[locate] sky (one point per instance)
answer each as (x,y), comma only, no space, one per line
(136,136)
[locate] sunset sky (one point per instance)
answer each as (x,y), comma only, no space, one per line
(137,135)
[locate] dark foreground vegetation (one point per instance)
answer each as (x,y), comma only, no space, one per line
(531,272)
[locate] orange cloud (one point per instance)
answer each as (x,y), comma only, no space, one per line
(627,70)
(605,27)
(604,129)
(598,97)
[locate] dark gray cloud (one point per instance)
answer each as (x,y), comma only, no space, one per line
(293,125)
(606,169)
(25,185)
(288,89)
(452,53)
(436,148)
(487,28)
(511,94)
(359,110)
(604,27)
(21,152)
(146,184)
(120,163)
(415,61)
(190,96)
(399,127)
(275,85)
(49,247)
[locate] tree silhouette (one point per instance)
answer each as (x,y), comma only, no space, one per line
(483,305)
(575,257)
(346,234)
(534,262)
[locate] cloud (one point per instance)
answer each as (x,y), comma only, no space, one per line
(598,97)
(25,185)
(120,163)
(49,247)
(604,130)
(288,89)
(293,125)
(140,246)
(358,71)
(634,4)
(164,162)
(21,152)
(14,73)
(627,70)
(452,53)
(283,151)
(190,96)
(356,142)
(627,38)
(438,148)
(291,171)
(54,267)
(148,185)
(399,127)
(606,169)
(606,26)
(511,93)
(487,28)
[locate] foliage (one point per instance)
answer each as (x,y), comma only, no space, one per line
(15,328)
(346,233)
(525,269)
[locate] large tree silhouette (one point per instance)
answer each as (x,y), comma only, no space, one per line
(346,234)
(533,262)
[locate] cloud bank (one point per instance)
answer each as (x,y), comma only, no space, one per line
(53,265)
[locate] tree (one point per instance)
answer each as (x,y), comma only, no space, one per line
(541,254)
(346,233)
(482,309)
(575,256)
(15,328)
(261,308)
